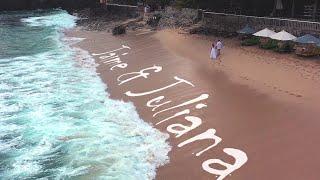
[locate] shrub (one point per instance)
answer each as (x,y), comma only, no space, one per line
(250,42)
(155,3)
(154,20)
(271,44)
(120,29)
(286,47)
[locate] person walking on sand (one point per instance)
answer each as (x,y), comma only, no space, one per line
(214,52)
(219,47)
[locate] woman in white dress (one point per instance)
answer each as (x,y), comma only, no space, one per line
(214,52)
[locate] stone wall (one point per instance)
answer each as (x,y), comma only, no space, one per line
(231,23)
(127,10)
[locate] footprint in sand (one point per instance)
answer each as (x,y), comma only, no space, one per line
(287,92)
(296,95)
(244,77)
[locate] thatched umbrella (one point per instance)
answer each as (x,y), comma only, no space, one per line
(284,41)
(307,39)
(264,35)
(307,45)
(283,36)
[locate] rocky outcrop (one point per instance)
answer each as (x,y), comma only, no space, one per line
(118,30)
(107,17)
(176,18)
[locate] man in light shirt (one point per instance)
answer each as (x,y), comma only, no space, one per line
(219,47)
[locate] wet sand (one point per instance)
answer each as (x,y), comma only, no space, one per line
(260,102)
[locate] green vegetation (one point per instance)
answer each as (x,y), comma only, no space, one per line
(187,3)
(250,42)
(154,20)
(154,3)
(271,44)
(118,30)
(286,47)
(204,4)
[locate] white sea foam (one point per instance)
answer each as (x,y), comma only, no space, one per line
(59,122)
(72,40)
(58,20)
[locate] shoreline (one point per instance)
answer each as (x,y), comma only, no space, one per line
(242,102)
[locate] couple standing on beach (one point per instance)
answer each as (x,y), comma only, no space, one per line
(216,50)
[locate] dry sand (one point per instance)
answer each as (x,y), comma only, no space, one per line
(263,103)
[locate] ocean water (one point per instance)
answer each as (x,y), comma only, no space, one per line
(56,118)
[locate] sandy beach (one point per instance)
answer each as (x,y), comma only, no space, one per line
(260,102)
